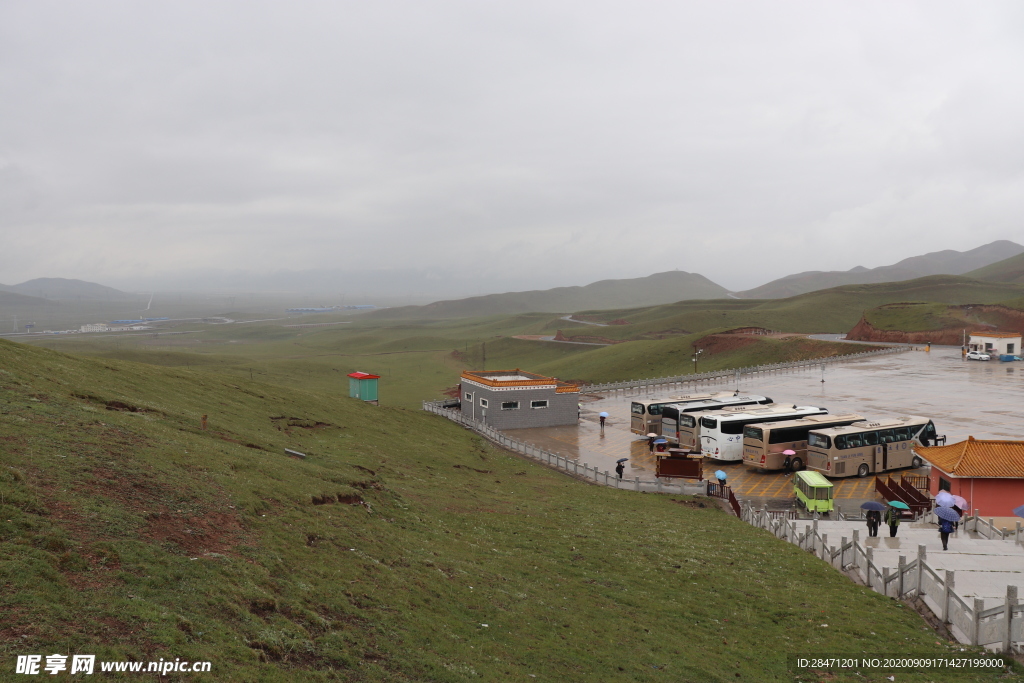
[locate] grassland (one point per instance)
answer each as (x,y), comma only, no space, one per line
(402,548)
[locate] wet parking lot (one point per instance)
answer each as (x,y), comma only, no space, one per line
(976,398)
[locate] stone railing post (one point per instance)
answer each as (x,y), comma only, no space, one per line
(947,587)
(1011,602)
(899,582)
(979,605)
(922,555)
(870,564)
(637,483)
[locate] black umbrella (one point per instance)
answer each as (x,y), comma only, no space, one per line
(872,505)
(947,514)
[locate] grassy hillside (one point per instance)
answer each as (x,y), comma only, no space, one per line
(1007,270)
(947,262)
(653,289)
(402,549)
(673,356)
(830,310)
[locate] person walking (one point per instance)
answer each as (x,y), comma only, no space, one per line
(619,469)
(874,519)
(788,464)
(945,529)
(892,518)
(602,418)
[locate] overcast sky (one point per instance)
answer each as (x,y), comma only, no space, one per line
(503,145)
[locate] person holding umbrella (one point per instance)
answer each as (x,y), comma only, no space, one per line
(788,463)
(620,466)
(651,436)
(602,416)
(947,517)
(873,516)
(893,515)
(720,476)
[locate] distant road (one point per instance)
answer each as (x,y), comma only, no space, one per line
(842,338)
(582,322)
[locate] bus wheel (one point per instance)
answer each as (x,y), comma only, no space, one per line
(917,462)
(797,464)
(862,471)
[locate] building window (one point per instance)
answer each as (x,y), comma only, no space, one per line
(483,402)
(944,485)
(510,405)
(1009,348)
(538,404)
(469,398)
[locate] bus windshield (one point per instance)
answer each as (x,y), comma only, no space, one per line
(637,408)
(655,408)
(687,421)
(754,433)
(819,441)
(708,422)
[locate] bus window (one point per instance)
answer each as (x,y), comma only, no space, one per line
(822,493)
(928,433)
(730,426)
(819,441)
(885,436)
(637,408)
(870,438)
(754,433)
(708,422)
(687,421)
(854,440)
(655,408)
(841,442)
(902,433)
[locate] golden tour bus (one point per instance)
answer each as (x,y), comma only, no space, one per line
(675,415)
(813,491)
(721,433)
(864,448)
(763,444)
(645,416)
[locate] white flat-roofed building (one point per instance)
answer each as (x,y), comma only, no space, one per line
(997,343)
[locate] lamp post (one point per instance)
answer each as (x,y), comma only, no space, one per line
(696,352)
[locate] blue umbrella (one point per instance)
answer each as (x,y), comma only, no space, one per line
(899,504)
(872,505)
(1019,511)
(663,440)
(948,514)
(602,414)
(622,460)
(719,474)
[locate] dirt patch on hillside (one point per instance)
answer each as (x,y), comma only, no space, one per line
(979,318)
(720,343)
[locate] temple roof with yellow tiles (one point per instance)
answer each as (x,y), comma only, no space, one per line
(978,458)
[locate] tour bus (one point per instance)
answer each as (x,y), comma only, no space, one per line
(813,491)
(764,444)
(674,415)
(721,435)
(870,447)
(645,416)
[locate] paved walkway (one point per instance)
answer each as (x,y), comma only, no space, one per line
(983,567)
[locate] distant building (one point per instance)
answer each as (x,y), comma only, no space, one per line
(515,399)
(998,343)
(989,474)
(95,327)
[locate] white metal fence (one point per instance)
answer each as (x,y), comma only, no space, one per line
(560,462)
(1002,625)
(644,385)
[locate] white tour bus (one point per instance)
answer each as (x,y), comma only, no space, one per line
(721,436)
(645,416)
(673,415)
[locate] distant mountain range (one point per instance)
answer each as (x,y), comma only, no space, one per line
(63,289)
(947,262)
(660,288)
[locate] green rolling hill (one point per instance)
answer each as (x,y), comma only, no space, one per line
(402,548)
